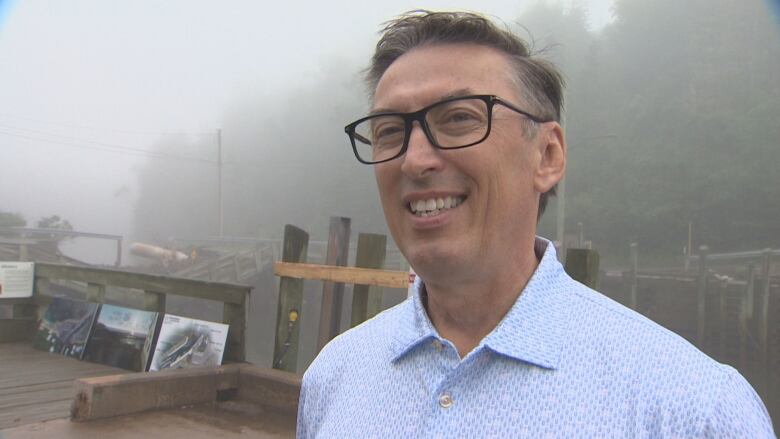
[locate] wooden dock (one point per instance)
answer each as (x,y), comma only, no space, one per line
(46,395)
(38,386)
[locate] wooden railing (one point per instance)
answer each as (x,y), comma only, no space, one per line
(154,290)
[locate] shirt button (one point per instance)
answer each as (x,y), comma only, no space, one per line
(445,400)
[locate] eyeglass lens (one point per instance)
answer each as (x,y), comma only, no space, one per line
(452,124)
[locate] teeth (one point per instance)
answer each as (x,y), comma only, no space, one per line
(434,206)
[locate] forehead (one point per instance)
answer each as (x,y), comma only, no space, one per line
(427,74)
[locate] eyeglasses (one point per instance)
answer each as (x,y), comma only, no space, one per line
(453,123)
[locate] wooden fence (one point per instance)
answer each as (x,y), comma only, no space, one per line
(735,321)
(368,279)
(141,291)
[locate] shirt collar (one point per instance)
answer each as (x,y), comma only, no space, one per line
(533,329)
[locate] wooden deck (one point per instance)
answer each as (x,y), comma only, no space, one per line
(226,420)
(38,386)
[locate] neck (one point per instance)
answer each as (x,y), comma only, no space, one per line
(466,312)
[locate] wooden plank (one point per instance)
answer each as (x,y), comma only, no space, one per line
(16,300)
(271,388)
(367,299)
(295,247)
(42,411)
(35,396)
(25,311)
(223,292)
(14,330)
(115,395)
(333,292)
(347,275)
(37,386)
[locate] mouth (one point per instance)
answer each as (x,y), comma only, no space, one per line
(434,206)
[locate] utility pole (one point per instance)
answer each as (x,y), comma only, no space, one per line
(219,181)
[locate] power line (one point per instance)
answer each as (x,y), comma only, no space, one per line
(94,142)
(115,130)
(105,147)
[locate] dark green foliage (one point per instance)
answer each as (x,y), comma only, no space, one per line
(672,118)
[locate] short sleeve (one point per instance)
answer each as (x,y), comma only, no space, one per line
(738,412)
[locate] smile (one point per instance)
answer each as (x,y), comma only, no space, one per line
(434,206)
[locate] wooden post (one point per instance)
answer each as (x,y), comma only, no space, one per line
(367,300)
(154,301)
(24,253)
(42,285)
(333,293)
(763,320)
(295,247)
(746,316)
(235,316)
(237,268)
(118,261)
(96,293)
(583,265)
(701,299)
(634,253)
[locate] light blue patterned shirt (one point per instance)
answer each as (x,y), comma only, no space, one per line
(565,361)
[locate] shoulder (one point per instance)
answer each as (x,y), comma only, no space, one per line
(349,363)
(362,347)
(683,391)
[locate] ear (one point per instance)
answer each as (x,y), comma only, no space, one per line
(552,163)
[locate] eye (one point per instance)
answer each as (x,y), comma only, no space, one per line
(387,130)
(459,119)
(459,116)
(387,133)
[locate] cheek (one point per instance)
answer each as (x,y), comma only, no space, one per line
(386,185)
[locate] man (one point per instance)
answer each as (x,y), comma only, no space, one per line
(498,341)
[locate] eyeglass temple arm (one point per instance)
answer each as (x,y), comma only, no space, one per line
(517,110)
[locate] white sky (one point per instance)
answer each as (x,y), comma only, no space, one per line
(119,73)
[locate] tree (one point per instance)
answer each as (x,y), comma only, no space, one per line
(54,222)
(671,119)
(11,219)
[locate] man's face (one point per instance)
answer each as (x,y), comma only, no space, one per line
(495,184)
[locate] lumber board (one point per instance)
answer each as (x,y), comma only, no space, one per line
(348,275)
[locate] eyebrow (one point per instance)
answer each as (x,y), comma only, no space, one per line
(453,94)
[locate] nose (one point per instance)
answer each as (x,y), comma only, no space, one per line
(421,158)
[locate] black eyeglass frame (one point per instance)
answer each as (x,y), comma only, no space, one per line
(419,116)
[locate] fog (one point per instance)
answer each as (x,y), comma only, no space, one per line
(91,92)
(113,115)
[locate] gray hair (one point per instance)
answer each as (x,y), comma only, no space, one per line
(538,81)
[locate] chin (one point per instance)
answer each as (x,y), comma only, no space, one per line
(434,260)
